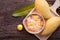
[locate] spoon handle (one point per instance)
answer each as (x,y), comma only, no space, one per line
(55,6)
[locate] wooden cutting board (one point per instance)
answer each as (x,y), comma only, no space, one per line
(8,23)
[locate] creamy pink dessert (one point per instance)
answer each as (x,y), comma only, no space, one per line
(34,23)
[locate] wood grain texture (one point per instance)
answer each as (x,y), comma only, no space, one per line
(8,23)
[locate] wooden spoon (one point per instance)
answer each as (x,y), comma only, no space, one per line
(53,10)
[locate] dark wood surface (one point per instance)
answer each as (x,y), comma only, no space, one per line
(8,23)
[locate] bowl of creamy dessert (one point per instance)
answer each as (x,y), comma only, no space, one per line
(34,23)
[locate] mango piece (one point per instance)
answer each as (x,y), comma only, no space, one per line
(35,18)
(43,8)
(41,23)
(30,28)
(37,26)
(51,25)
(30,24)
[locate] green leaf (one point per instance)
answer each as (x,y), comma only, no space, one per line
(23,11)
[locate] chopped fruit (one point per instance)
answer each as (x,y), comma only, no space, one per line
(32,22)
(29,24)
(35,18)
(30,28)
(19,27)
(37,26)
(41,23)
(38,23)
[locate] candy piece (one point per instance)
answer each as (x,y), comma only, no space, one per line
(19,27)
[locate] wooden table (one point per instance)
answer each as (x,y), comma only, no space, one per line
(8,23)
